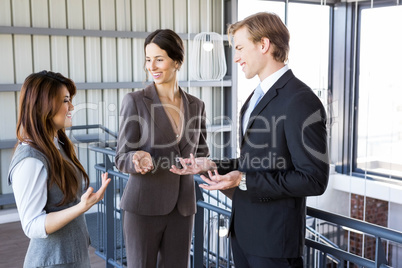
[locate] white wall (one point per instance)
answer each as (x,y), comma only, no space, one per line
(333,200)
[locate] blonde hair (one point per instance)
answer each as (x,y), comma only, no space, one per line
(269,25)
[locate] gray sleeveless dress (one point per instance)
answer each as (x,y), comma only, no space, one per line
(67,247)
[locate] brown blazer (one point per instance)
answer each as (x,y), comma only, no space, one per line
(145,126)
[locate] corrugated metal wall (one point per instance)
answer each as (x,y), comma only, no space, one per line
(99,44)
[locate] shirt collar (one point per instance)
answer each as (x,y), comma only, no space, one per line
(268,82)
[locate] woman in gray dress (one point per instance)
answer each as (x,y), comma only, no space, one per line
(47,178)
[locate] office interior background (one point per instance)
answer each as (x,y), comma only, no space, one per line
(348,52)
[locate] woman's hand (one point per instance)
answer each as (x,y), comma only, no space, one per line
(142,162)
(58,219)
(193,165)
(89,198)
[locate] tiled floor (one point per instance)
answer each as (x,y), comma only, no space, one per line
(14,243)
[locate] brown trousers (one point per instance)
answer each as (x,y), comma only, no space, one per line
(157,241)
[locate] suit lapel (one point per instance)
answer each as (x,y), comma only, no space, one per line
(190,111)
(159,117)
(266,99)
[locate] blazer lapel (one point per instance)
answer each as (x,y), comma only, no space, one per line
(266,99)
(190,111)
(159,116)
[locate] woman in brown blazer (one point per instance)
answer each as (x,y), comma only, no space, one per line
(159,124)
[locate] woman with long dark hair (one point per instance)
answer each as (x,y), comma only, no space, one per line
(47,177)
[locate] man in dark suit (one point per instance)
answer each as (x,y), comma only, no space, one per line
(283,151)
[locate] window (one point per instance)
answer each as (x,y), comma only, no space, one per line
(309,43)
(379,97)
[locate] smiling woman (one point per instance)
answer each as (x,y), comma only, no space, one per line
(160,123)
(162,68)
(63,117)
(47,178)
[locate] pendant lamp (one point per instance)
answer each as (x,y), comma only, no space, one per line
(207,60)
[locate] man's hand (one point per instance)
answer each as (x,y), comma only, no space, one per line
(193,165)
(142,162)
(221,182)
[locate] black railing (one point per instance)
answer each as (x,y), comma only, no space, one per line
(325,241)
(381,235)
(326,237)
(310,255)
(210,247)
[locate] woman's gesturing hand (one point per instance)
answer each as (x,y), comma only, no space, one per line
(58,219)
(142,162)
(193,165)
(89,198)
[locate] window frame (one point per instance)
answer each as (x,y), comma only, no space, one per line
(353,139)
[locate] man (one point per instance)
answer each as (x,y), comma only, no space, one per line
(283,151)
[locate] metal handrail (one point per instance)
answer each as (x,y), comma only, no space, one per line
(343,255)
(320,237)
(103,150)
(359,225)
(323,240)
(213,208)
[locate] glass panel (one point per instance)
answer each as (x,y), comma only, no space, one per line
(309,26)
(309,45)
(379,115)
(309,49)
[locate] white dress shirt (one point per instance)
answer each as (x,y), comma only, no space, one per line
(29,182)
(266,84)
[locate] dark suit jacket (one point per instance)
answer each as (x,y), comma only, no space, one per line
(145,126)
(284,155)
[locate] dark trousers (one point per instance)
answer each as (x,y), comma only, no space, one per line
(157,241)
(244,260)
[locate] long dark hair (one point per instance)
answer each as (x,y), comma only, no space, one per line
(40,100)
